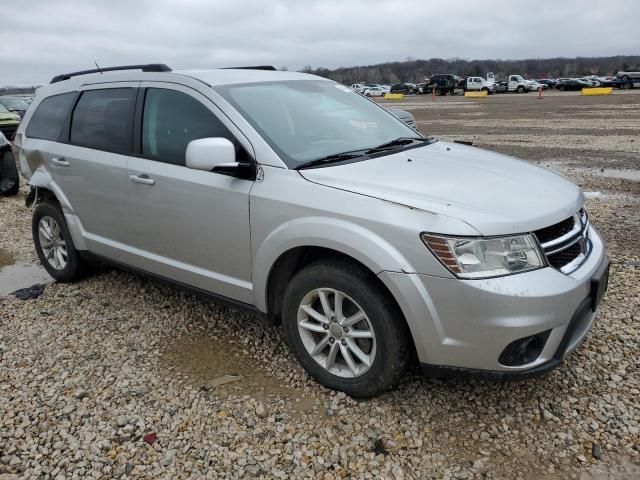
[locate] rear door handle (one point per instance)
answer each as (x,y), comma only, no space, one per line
(142,178)
(60,161)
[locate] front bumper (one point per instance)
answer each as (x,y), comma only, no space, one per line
(462,326)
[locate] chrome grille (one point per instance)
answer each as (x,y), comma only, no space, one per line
(566,244)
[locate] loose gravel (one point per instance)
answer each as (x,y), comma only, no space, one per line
(119,377)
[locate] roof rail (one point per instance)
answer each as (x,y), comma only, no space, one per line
(150,67)
(257,67)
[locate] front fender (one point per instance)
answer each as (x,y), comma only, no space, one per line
(350,239)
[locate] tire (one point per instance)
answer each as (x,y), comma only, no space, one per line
(73,268)
(625,78)
(520,89)
(389,349)
(485,90)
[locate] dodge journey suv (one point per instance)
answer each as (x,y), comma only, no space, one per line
(296,198)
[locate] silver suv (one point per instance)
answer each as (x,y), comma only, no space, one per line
(296,198)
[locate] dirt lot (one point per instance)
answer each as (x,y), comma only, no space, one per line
(89,371)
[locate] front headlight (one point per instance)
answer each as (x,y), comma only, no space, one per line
(484,257)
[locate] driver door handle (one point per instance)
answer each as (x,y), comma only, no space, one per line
(142,178)
(60,162)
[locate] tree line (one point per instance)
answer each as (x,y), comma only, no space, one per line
(416,70)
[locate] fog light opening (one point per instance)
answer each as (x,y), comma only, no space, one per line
(524,350)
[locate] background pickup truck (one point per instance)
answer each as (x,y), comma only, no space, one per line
(518,84)
(479,84)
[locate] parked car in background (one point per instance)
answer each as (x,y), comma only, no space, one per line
(14,104)
(374,92)
(502,86)
(401,88)
(548,82)
(479,84)
(405,116)
(9,122)
(572,84)
(9,177)
(534,85)
(608,81)
(592,82)
(630,74)
(357,87)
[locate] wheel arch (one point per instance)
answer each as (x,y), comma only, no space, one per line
(295,242)
(294,259)
(45,189)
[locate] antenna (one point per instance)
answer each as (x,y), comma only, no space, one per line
(98,66)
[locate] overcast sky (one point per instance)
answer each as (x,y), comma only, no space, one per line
(40,38)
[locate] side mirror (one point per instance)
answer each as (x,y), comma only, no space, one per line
(217,155)
(208,153)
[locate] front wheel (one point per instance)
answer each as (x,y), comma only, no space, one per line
(520,89)
(345,329)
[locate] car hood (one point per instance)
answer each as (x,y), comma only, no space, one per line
(496,194)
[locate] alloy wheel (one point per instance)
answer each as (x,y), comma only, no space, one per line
(336,332)
(52,243)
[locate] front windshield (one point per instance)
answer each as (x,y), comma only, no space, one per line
(17,103)
(305,120)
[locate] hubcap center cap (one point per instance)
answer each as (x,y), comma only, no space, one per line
(335,330)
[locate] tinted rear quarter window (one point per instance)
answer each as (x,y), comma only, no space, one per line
(48,119)
(102,119)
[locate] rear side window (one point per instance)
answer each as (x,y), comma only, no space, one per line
(171,120)
(102,119)
(48,119)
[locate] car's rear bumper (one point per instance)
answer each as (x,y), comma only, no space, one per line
(462,327)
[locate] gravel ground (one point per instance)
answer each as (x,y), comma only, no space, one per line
(119,377)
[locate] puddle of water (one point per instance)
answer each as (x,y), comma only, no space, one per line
(15,275)
(595,195)
(625,174)
(216,366)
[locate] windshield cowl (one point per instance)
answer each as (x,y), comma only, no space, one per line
(393,146)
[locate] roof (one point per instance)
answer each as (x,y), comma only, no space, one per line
(230,76)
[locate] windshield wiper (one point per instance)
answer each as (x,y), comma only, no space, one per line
(398,142)
(336,157)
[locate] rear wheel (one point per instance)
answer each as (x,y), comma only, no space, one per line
(54,244)
(345,329)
